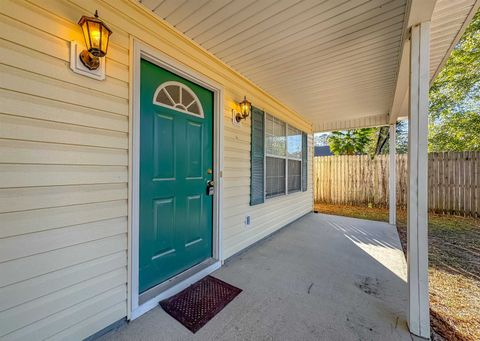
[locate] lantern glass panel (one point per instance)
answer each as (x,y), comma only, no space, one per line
(86,35)
(105,35)
(245,107)
(95,37)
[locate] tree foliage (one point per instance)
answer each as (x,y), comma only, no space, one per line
(367,141)
(460,132)
(351,142)
(455,96)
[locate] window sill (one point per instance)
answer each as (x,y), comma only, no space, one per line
(279,196)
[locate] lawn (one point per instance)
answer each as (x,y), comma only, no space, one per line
(454,268)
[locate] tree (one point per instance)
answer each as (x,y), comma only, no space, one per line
(351,142)
(370,141)
(460,132)
(455,96)
(383,142)
(321,139)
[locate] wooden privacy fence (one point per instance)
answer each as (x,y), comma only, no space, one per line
(453,181)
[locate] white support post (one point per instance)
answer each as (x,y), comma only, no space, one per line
(417,224)
(392,179)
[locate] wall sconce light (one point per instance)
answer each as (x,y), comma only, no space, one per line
(245,110)
(96,35)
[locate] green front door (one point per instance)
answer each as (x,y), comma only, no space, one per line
(176,164)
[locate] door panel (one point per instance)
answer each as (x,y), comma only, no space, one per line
(194,149)
(163,158)
(176,153)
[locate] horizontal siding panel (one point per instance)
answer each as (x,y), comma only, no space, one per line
(236,134)
(53,175)
(238,137)
(25,314)
(232,172)
(264,215)
(14,151)
(273,211)
(20,128)
(34,288)
(51,28)
(29,60)
(235,182)
(96,322)
(239,244)
(242,199)
(236,163)
(264,221)
(42,42)
(61,17)
(240,233)
(72,317)
(232,145)
(30,267)
(34,243)
(232,156)
(21,199)
(25,105)
(26,82)
(17,223)
(237,154)
(234,192)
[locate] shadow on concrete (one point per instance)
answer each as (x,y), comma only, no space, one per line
(320,278)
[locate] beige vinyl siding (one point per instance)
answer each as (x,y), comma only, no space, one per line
(265,218)
(63,184)
(64,163)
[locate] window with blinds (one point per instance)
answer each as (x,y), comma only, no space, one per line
(276,151)
(282,168)
(294,153)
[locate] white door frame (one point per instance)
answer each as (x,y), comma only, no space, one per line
(138,51)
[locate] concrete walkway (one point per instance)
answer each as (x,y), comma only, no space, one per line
(320,278)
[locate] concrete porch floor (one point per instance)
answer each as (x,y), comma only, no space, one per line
(320,278)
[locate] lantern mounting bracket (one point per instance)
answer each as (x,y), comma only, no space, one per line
(78,66)
(89,60)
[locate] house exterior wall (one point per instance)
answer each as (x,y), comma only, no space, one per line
(64,166)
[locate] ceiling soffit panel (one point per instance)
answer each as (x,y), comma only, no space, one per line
(329,60)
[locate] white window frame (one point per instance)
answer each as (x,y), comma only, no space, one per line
(162,87)
(286,158)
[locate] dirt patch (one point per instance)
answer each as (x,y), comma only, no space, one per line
(454,268)
(369,285)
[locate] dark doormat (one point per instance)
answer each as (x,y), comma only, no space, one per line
(200,302)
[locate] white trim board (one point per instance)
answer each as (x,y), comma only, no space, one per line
(138,51)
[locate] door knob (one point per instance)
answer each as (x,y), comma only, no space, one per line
(210,187)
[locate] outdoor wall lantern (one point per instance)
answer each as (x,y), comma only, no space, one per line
(88,61)
(245,110)
(96,35)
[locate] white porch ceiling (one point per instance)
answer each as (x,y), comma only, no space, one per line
(330,60)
